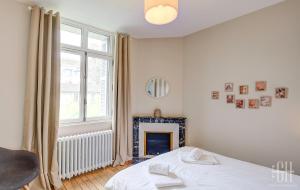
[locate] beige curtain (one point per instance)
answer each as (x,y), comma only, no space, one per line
(122,115)
(42,96)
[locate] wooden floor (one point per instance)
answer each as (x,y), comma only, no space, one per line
(93,180)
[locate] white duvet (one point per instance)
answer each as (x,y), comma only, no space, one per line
(230,174)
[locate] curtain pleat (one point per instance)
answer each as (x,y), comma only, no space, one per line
(122,109)
(41,118)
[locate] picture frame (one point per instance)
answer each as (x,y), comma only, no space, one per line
(230,98)
(266,101)
(260,86)
(244,89)
(215,95)
(229,87)
(240,104)
(281,93)
(253,103)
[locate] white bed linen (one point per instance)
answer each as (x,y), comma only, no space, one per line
(230,174)
(165,181)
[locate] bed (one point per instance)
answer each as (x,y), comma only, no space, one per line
(230,174)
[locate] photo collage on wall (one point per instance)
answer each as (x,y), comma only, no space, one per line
(252,103)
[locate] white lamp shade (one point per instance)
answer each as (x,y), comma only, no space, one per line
(161,12)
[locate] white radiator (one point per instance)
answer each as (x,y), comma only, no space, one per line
(82,153)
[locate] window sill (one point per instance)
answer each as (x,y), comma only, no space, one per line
(85,123)
(68,129)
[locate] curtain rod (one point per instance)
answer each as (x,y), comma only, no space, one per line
(46,13)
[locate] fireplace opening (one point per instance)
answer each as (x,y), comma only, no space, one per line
(157,143)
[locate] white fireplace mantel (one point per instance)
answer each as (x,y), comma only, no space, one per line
(158,127)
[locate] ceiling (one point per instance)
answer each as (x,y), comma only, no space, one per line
(128,15)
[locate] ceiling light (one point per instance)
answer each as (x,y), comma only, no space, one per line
(161,12)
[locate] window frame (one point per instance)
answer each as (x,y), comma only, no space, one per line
(109,87)
(84,35)
(84,52)
(81,103)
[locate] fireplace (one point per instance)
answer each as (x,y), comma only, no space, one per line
(153,136)
(157,143)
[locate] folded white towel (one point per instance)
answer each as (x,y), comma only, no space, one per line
(205,159)
(195,154)
(166,181)
(159,168)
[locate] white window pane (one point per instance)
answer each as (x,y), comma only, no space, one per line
(70,86)
(70,35)
(97,75)
(98,42)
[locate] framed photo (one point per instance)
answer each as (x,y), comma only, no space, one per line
(229,87)
(230,99)
(281,93)
(266,101)
(215,95)
(240,104)
(253,103)
(244,89)
(261,86)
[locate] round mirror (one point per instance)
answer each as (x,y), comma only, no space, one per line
(157,87)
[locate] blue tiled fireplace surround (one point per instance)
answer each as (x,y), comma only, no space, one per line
(136,123)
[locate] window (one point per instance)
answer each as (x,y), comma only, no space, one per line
(98,42)
(71,35)
(86,73)
(70,95)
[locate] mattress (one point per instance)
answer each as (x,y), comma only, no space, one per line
(230,174)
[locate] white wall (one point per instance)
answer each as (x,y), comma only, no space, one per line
(156,58)
(14,21)
(261,46)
